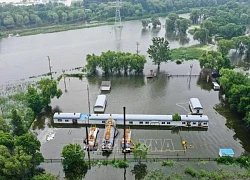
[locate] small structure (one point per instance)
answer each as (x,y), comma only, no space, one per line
(150,75)
(226,152)
(106,86)
(195,106)
(216,86)
(68,118)
(100,104)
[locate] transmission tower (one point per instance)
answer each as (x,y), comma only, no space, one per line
(118,22)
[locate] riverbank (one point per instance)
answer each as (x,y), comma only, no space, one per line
(78,25)
(52,29)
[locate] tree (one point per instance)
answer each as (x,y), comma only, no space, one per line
(210,26)
(140,152)
(31,146)
(214,60)
(4,126)
(6,140)
(73,162)
(184,23)
(44,177)
(194,16)
(145,23)
(159,51)
(155,21)
(201,35)
(17,124)
(49,90)
(34,100)
(224,46)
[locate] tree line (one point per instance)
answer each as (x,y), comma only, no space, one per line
(56,13)
(111,62)
(225,21)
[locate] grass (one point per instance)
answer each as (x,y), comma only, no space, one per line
(54,28)
(188,53)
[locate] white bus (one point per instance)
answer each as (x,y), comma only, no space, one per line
(100,104)
(195,106)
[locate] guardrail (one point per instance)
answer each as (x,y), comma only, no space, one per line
(155,159)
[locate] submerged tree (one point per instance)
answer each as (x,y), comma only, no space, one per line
(74,166)
(159,51)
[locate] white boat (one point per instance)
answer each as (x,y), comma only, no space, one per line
(90,141)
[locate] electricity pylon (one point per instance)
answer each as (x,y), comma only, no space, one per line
(118,21)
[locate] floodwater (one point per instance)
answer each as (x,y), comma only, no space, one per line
(22,57)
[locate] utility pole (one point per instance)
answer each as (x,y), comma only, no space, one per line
(191,67)
(124,138)
(64,80)
(88,103)
(87,129)
(137,46)
(50,68)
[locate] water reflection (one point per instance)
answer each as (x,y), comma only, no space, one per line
(155,31)
(172,36)
(234,122)
(144,32)
(204,85)
(43,119)
(118,42)
(140,171)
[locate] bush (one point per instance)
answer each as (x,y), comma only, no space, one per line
(228,160)
(119,163)
(192,172)
(178,62)
(176,117)
(168,163)
(105,162)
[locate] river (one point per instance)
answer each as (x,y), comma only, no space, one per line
(22,57)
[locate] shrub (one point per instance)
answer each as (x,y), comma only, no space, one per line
(192,172)
(178,62)
(225,160)
(168,163)
(176,117)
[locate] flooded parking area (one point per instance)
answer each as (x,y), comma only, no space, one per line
(139,95)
